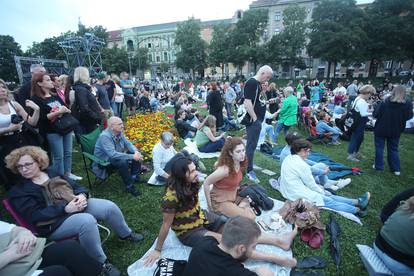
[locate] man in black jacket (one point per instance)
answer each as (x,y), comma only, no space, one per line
(185,130)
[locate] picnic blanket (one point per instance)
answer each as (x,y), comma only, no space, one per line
(174,249)
(191,147)
(338,170)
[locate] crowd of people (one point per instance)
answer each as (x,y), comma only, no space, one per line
(38,124)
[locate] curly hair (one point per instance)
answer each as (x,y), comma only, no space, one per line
(186,194)
(226,159)
(408,206)
(38,155)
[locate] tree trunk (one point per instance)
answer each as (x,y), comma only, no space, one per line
(392,65)
(222,70)
(328,75)
(334,70)
(412,64)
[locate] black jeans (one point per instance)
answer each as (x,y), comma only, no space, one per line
(253,133)
(127,169)
(68,258)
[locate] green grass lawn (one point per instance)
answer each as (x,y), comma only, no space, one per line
(143,214)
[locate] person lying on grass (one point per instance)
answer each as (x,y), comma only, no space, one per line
(183,214)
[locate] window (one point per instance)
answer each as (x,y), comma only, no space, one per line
(278,16)
(277,31)
(130,45)
(165,56)
(149,45)
(150,57)
(158,59)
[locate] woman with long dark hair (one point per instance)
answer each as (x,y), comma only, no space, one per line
(215,104)
(183,214)
(225,179)
(51,109)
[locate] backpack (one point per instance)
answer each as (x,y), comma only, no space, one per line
(258,194)
(352,118)
(266,148)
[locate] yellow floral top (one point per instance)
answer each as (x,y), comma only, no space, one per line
(186,217)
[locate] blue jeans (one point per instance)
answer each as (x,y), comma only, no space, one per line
(340,203)
(123,168)
(269,130)
(393,155)
(61,152)
(318,172)
(322,128)
(279,128)
(213,146)
(357,136)
(399,269)
(229,110)
(118,109)
(114,108)
(253,132)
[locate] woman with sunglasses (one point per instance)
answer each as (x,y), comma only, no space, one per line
(298,182)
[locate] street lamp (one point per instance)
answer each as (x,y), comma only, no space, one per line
(129,62)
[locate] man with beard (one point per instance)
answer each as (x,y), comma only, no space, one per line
(239,239)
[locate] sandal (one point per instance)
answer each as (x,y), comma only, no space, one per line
(311,262)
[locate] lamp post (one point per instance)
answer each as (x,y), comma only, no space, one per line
(129,63)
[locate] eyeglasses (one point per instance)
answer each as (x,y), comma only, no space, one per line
(25,165)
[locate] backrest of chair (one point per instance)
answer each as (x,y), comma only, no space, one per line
(88,141)
(16,216)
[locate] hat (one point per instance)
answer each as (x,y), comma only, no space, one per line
(100,75)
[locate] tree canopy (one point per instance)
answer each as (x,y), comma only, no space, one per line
(8,49)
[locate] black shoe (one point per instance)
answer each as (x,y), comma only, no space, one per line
(109,269)
(134,237)
(133,191)
(361,213)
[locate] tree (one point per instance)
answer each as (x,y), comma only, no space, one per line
(99,31)
(389,28)
(246,37)
(115,60)
(48,48)
(192,54)
(219,46)
(8,49)
(293,37)
(337,33)
(140,59)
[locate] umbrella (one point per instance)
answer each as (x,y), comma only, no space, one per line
(334,230)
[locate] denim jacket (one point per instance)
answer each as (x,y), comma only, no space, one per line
(110,147)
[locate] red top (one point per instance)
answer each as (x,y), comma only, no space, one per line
(230,182)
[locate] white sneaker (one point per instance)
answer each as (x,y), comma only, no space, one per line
(274,184)
(397,173)
(343,182)
(334,188)
(75,177)
(330,183)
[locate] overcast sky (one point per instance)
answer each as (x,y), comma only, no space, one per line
(28,20)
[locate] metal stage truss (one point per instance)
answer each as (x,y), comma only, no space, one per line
(83,51)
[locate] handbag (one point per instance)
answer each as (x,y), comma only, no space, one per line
(352,118)
(23,266)
(66,123)
(170,267)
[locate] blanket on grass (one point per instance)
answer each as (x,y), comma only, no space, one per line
(338,170)
(191,147)
(174,249)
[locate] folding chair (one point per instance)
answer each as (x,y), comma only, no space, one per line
(87,143)
(373,264)
(23,223)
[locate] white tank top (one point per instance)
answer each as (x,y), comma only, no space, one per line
(5,119)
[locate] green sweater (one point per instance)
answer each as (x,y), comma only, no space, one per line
(288,112)
(201,138)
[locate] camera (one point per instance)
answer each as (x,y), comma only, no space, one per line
(16,119)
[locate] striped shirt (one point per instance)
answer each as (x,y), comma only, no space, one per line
(186,217)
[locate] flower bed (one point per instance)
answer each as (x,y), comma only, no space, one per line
(144,130)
